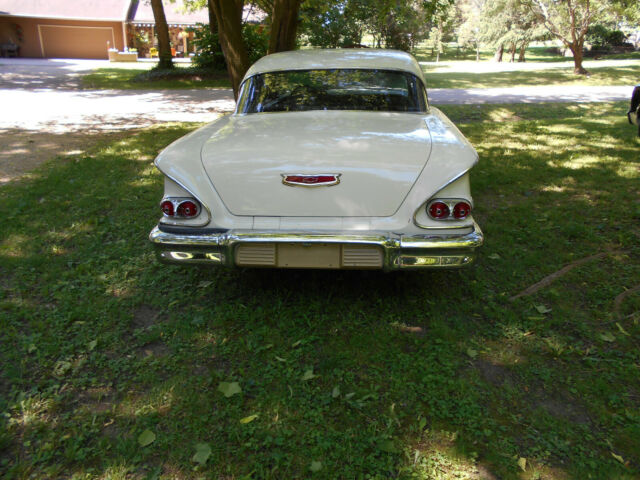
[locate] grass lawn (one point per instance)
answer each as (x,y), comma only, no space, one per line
(113,366)
(599,76)
(124,77)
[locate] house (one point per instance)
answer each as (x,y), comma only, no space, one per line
(88,28)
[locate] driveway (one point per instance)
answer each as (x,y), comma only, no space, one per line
(45,112)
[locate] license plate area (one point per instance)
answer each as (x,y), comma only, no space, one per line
(309,255)
(295,255)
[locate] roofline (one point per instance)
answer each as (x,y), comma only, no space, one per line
(413,67)
(148,22)
(56,17)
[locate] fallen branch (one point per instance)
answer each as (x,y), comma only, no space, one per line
(549,279)
(617,303)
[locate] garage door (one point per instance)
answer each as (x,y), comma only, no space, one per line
(75,42)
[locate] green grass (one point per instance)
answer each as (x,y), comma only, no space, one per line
(602,76)
(127,78)
(451,53)
(408,375)
(533,54)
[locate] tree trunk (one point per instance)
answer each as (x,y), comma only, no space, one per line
(513,53)
(499,52)
(523,49)
(578,69)
(284,25)
(477,52)
(164,46)
(213,22)
(228,15)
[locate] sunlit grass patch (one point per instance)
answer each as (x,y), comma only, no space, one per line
(339,374)
(626,75)
(144,79)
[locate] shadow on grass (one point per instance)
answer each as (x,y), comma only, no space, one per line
(140,79)
(351,373)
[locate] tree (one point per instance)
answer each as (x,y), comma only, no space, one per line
(162,29)
(284,25)
(228,15)
(469,31)
(509,23)
(334,23)
(568,21)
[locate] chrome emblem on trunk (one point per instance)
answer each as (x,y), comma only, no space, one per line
(319,180)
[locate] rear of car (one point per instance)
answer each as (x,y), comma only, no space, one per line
(634,108)
(337,163)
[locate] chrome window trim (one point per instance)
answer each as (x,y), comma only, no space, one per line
(424,97)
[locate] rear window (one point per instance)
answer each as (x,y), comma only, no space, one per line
(336,89)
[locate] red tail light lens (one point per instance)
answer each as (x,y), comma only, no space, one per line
(167,208)
(438,210)
(187,209)
(461,210)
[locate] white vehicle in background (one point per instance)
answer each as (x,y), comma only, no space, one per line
(634,108)
(333,159)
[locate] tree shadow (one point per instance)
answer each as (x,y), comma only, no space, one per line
(385,375)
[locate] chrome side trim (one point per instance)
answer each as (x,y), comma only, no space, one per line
(399,251)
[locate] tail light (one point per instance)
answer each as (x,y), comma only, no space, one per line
(448,209)
(180,207)
(187,209)
(461,210)
(167,208)
(439,210)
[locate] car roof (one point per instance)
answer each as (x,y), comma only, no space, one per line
(316,59)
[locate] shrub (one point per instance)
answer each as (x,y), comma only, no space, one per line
(209,53)
(601,37)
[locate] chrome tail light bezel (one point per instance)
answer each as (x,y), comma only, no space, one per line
(176,202)
(451,204)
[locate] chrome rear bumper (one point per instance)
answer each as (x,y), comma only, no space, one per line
(397,251)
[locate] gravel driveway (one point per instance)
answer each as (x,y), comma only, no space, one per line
(45,112)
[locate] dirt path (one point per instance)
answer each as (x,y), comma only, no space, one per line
(21,151)
(45,113)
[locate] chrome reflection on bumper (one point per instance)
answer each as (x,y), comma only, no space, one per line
(399,251)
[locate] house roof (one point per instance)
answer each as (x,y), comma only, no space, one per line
(136,11)
(313,59)
(112,10)
(175,12)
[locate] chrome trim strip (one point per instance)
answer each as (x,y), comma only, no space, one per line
(400,251)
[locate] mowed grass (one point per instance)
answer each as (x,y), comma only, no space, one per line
(114,366)
(126,78)
(624,75)
(466,73)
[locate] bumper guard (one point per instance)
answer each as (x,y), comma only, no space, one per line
(398,251)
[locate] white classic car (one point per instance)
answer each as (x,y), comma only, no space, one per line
(333,159)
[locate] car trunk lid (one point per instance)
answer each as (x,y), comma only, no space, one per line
(377,155)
